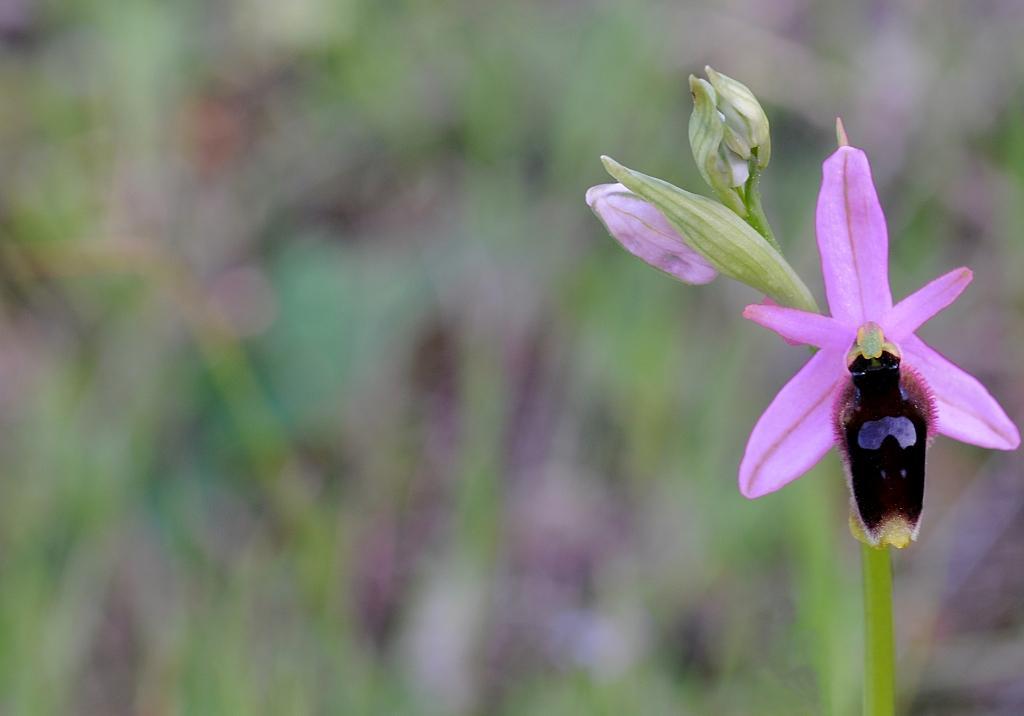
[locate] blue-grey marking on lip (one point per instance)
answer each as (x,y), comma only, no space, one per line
(874,432)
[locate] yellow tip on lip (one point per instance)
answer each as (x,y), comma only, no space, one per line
(896,532)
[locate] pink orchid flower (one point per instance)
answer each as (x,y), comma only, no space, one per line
(874,389)
(801,423)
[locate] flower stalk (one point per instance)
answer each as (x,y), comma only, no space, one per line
(879,661)
(755,212)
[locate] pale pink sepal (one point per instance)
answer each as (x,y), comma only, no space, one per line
(800,327)
(645,233)
(852,239)
(796,430)
(966,410)
(913,311)
(769,301)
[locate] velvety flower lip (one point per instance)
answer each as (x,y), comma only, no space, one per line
(796,430)
(644,232)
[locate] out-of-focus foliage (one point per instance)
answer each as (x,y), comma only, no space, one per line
(323,392)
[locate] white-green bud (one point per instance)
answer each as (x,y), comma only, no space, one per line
(728,128)
(723,169)
(746,125)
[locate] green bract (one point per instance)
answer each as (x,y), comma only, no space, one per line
(727,242)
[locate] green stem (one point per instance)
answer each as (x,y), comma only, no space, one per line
(879,674)
(755,212)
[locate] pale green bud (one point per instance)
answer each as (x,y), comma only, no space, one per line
(728,243)
(746,125)
(730,142)
(722,169)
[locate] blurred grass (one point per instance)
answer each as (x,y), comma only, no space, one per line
(324,393)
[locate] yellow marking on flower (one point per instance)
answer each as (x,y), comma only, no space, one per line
(871,344)
(896,532)
(870,340)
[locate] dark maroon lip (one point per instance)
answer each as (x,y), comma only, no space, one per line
(882,423)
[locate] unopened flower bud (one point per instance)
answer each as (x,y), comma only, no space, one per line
(641,229)
(746,125)
(723,169)
(730,143)
(728,243)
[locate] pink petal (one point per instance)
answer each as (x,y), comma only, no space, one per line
(852,239)
(796,430)
(966,411)
(645,233)
(911,313)
(769,301)
(800,327)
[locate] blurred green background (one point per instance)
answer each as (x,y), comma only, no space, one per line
(323,392)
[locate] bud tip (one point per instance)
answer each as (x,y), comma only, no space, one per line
(841,139)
